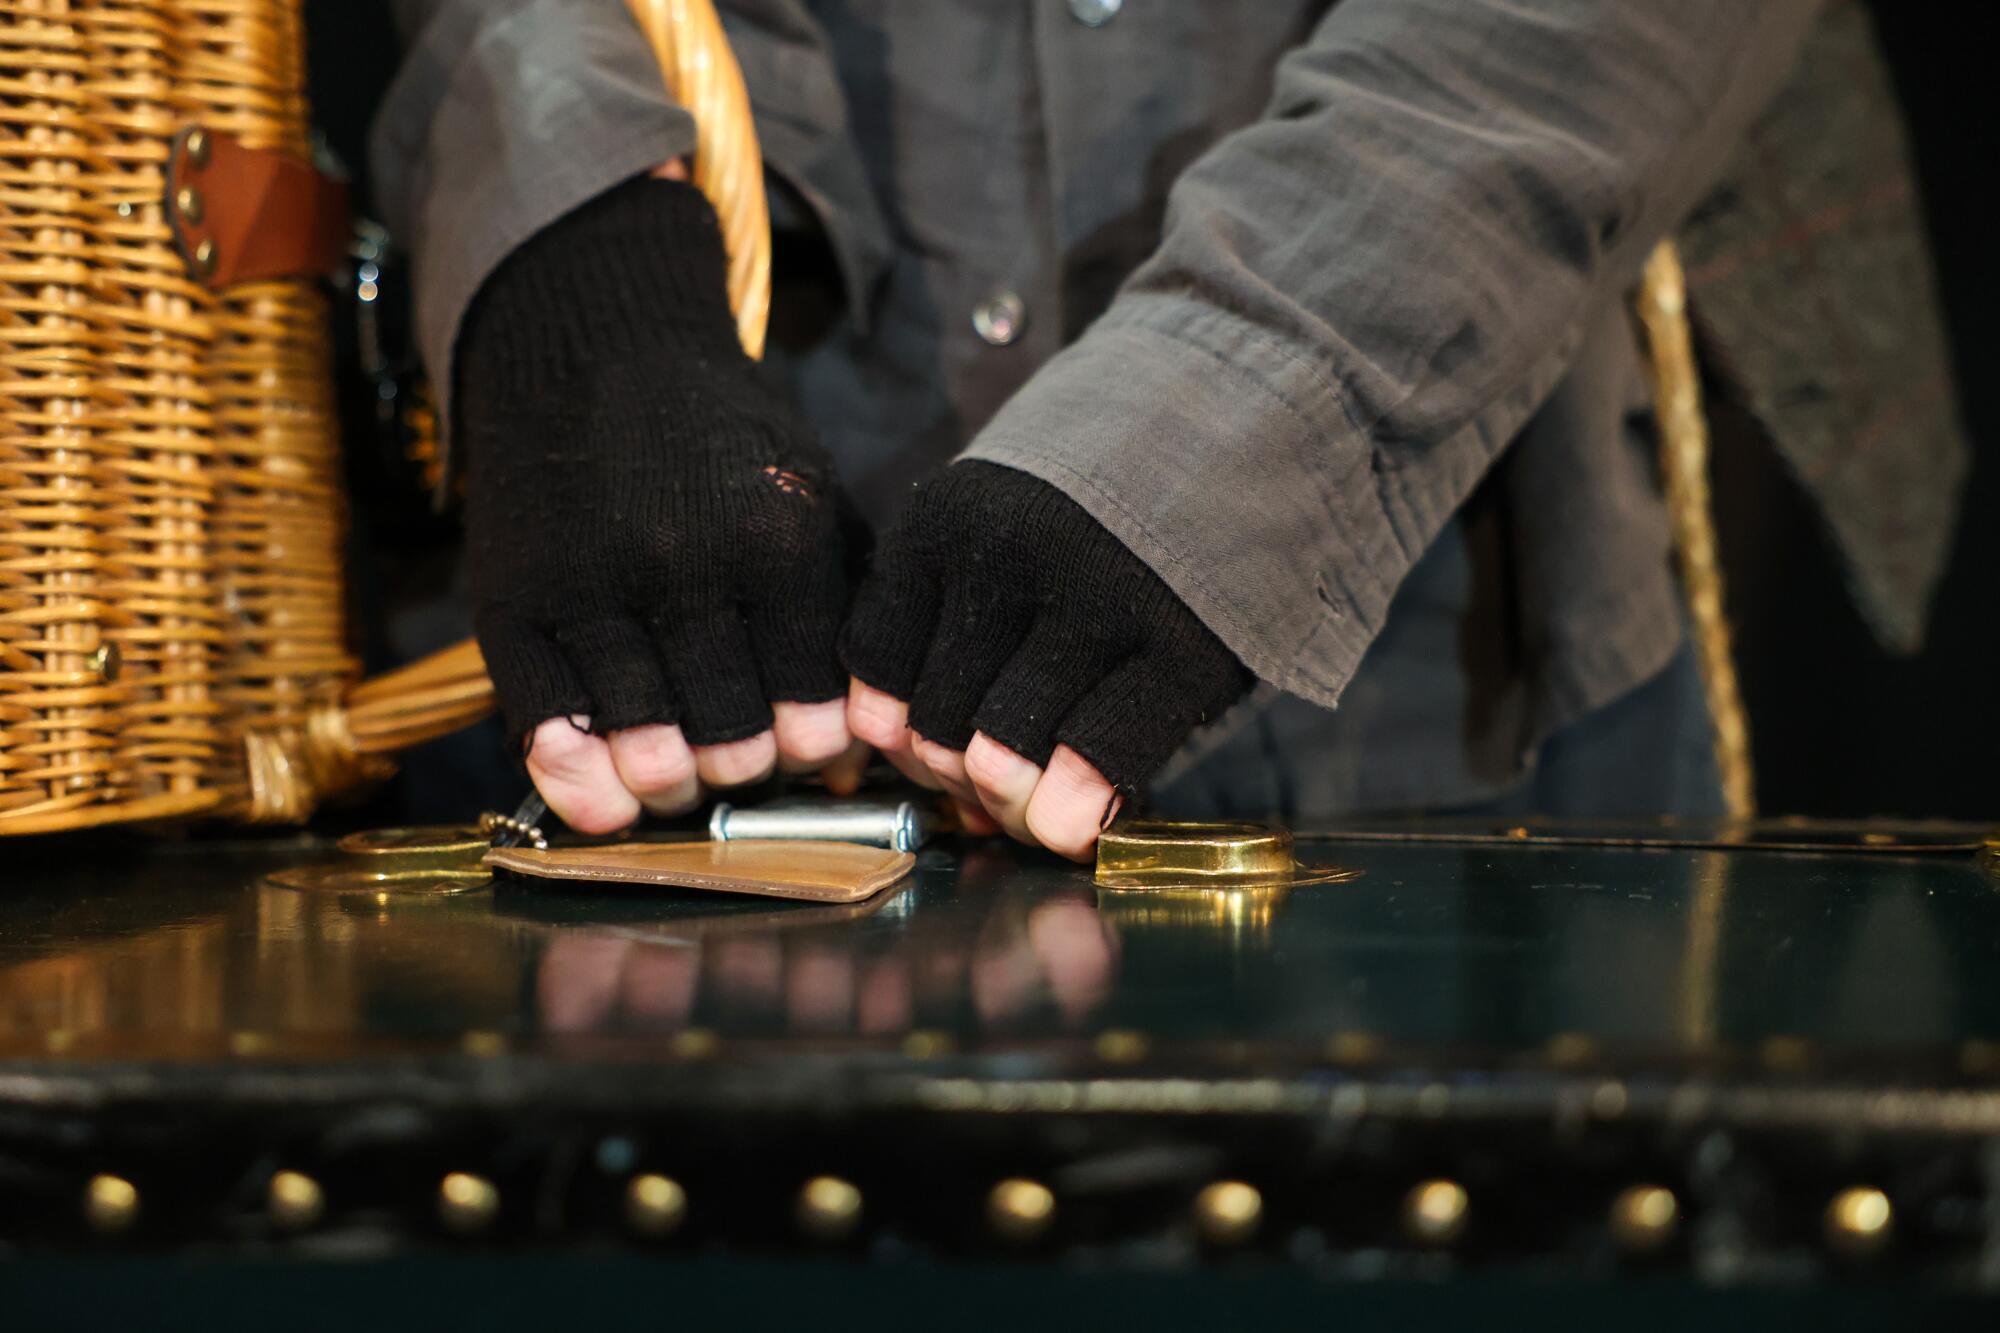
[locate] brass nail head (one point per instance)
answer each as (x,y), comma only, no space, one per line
(1644,1218)
(1567,1050)
(294,1200)
(1859,1220)
(1789,1054)
(1353,1048)
(110,1204)
(1020,1211)
(655,1205)
(927,1044)
(204,258)
(483,1045)
(198,146)
(695,1044)
(244,1044)
(105,662)
(467,1204)
(1228,1212)
(1121,1046)
(189,201)
(1434,1211)
(829,1208)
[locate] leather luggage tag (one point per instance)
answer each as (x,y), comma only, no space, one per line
(820,872)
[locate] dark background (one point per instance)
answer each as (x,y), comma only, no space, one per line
(1839,726)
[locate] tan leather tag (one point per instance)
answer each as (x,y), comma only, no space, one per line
(821,872)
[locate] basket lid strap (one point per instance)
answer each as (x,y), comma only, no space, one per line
(244,214)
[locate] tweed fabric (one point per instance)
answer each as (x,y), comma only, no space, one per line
(1811,282)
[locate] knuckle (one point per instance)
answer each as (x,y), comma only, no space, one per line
(560,747)
(1058,830)
(992,765)
(650,770)
(597,812)
(813,747)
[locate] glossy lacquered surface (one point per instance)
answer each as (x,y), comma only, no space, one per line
(182,952)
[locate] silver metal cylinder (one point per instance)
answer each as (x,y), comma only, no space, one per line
(898,825)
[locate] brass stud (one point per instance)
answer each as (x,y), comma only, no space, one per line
(105,662)
(1121,1046)
(204,258)
(655,1205)
(110,1204)
(1790,1054)
(926,1044)
(483,1045)
(1859,1220)
(188,200)
(829,1208)
(1434,1211)
(467,1204)
(294,1200)
(1644,1218)
(1020,1211)
(695,1043)
(1353,1048)
(198,147)
(244,1044)
(1567,1050)
(1228,1212)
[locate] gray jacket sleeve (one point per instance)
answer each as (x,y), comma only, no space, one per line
(1358,300)
(505,115)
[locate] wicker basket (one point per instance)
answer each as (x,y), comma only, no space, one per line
(171,610)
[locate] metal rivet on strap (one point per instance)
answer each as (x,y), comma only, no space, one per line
(188,200)
(204,258)
(198,147)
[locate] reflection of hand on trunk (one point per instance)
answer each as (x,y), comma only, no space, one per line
(1027,948)
(589,980)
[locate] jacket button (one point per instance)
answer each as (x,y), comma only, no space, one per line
(1094,13)
(998,319)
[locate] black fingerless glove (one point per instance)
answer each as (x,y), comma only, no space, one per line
(1000,605)
(653,535)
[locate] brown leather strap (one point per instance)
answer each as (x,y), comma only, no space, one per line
(248,214)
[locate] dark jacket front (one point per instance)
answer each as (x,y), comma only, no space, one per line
(1269,289)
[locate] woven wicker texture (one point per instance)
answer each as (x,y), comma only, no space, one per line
(170,524)
(171,636)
